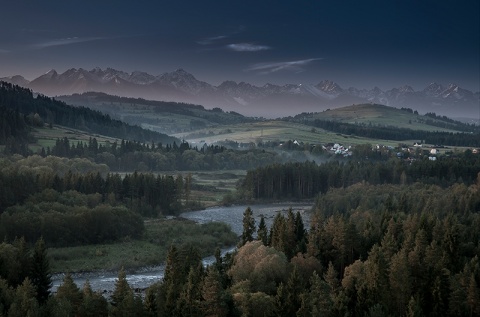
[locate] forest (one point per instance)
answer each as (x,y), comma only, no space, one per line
(371,250)
(399,134)
(306,180)
(386,236)
(82,200)
(136,156)
(50,111)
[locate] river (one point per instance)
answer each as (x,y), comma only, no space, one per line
(142,278)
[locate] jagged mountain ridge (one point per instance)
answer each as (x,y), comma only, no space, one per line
(268,100)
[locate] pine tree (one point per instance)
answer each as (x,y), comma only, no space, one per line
(189,302)
(172,284)
(94,304)
(331,278)
(281,308)
(213,294)
(320,297)
(40,272)
(414,309)
(278,233)
(400,281)
(6,297)
(70,293)
(23,262)
(292,291)
(248,227)
(262,231)
(473,297)
(300,234)
(121,293)
(24,302)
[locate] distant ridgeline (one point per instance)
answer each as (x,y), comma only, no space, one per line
(399,134)
(338,122)
(19,109)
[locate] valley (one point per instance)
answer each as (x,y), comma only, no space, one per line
(96,184)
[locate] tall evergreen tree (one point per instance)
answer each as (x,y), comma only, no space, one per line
(262,232)
(121,292)
(213,294)
(40,272)
(188,303)
(473,297)
(24,302)
(248,227)
(94,304)
(70,294)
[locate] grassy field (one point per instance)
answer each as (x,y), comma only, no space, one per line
(210,187)
(150,250)
(47,137)
(255,131)
(159,116)
(275,131)
(377,115)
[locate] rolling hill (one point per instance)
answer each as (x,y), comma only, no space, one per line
(160,116)
(381,115)
(355,124)
(39,110)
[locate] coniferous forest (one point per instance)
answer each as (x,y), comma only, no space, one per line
(385,237)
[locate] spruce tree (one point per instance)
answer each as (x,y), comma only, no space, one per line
(40,272)
(121,292)
(94,304)
(24,302)
(70,293)
(262,232)
(213,294)
(248,227)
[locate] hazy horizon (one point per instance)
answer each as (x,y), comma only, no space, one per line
(355,44)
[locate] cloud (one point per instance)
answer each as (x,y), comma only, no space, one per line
(211,40)
(66,41)
(2,51)
(247,47)
(268,68)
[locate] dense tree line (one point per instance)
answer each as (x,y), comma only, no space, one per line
(13,125)
(371,250)
(56,112)
(74,202)
(25,278)
(109,103)
(399,134)
(132,155)
(77,220)
(146,194)
(306,180)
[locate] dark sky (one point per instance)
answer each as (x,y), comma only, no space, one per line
(364,44)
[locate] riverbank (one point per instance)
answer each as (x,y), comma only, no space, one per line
(149,251)
(140,277)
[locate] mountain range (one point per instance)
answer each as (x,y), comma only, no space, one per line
(268,100)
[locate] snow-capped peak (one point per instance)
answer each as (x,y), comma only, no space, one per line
(329,87)
(406,88)
(433,89)
(51,73)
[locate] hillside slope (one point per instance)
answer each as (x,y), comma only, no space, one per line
(54,112)
(381,115)
(161,116)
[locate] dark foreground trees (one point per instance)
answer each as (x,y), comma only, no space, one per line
(370,250)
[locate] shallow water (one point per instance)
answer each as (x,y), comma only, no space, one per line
(144,277)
